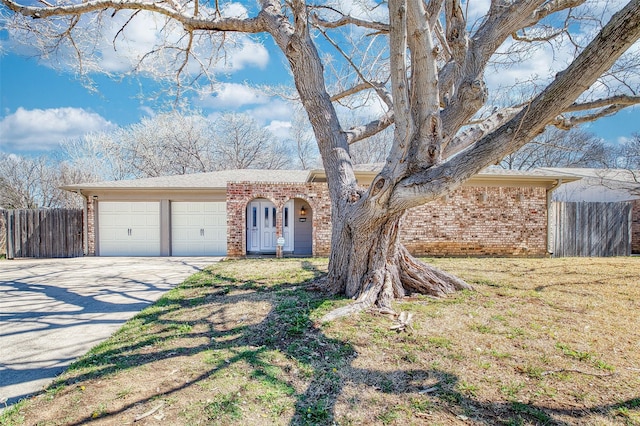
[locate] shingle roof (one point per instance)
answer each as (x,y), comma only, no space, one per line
(219,179)
(209,180)
(619,175)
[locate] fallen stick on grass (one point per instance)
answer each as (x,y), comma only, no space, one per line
(148,413)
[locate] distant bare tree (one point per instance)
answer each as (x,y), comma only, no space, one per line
(178,143)
(239,143)
(173,143)
(373,149)
(306,156)
(629,154)
(101,153)
(30,183)
(558,148)
(629,159)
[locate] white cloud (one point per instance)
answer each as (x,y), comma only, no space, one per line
(44,129)
(538,63)
(476,10)
(245,55)
(361,9)
(232,96)
(275,109)
(279,128)
(148,111)
(234,10)
(271,113)
(623,139)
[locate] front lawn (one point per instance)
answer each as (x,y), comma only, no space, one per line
(539,341)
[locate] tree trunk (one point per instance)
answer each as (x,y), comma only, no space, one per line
(370,265)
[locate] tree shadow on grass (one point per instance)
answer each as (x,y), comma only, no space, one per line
(278,351)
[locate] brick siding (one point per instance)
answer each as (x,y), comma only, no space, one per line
(480,221)
(91,227)
(240,194)
(471,221)
(635,227)
(3,234)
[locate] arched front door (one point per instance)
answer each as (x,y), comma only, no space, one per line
(262,236)
(261,226)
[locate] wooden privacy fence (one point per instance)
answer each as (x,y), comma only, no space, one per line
(592,229)
(43,233)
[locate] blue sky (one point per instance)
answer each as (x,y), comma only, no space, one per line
(40,106)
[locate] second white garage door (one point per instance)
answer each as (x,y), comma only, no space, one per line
(198,229)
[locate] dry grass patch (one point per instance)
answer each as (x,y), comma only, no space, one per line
(539,341)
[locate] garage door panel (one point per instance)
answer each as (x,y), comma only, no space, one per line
(196,229)
(129,228)
(144,222)
(215,222)
(138,207)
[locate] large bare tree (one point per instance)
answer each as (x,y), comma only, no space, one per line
(423,61)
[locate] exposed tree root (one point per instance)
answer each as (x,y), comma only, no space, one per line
(367,298)
(407,275)
(418,277)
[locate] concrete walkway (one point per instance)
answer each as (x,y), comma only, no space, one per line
(54,310)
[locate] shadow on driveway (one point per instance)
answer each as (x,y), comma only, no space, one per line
(54,310)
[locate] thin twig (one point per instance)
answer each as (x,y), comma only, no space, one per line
(573,370)
(148,413)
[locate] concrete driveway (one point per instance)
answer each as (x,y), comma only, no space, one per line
(54,310)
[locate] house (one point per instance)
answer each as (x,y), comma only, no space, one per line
(236,213)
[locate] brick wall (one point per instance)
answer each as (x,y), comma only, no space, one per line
(240,194)
(471,221)
(480,221)
(91,227)
(635,227)
(3,234)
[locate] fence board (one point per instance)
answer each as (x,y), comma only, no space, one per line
(592,229)
(44,233)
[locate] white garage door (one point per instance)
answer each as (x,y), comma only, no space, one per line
(198,229)
(129,228)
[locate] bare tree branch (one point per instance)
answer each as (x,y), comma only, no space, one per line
(551,7)
(356,134)
(535,39)
(622,100)
(349,20)
(378,85)
(566,123)
(479,130)
(608,106)
(217,23)
(379,88)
